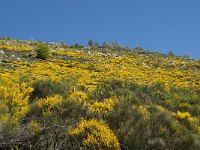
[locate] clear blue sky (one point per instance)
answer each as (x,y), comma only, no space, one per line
(157,25)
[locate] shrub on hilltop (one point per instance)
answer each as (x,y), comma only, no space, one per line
(42,52)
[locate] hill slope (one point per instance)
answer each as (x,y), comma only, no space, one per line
(142,100)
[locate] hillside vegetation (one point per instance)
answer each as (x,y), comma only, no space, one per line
(56,96)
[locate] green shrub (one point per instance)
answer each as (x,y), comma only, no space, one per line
(90,42)
(42,51)
(150,127)
(46,88)
(108,89)
(171,53)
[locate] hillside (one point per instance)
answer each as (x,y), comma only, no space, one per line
(97,98)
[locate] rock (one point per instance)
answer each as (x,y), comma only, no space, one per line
(18,58)
(123,67)
(2,52)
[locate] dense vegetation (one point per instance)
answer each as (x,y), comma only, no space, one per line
(56,96)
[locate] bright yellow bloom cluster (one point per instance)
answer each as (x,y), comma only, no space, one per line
(16,48)
(48,104)
(193,122)
(79,97)
(13,100)
(183,115)
(95,134)
(103,107)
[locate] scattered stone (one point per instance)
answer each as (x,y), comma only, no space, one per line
(18,59)
(2,52)
(123,67)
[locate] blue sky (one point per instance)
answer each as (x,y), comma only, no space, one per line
(156,25)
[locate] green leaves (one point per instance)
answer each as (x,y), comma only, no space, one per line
(42,52)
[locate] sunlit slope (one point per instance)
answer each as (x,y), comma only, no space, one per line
(89,67)
(81,97)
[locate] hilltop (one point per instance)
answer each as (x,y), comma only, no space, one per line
(80,95)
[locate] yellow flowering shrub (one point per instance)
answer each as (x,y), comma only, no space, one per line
(193,123)
(13,100)
(16,48)
(78,96)
(183,115)
(48,104)
(94,134)
(103,107)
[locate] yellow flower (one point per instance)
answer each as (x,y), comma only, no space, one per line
(78,96)
(103,107)
(13,99)
(48,104)
(94,134)
(183,115)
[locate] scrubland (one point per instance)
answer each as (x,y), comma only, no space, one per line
(97,98)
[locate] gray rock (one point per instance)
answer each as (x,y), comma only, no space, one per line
(2,52)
